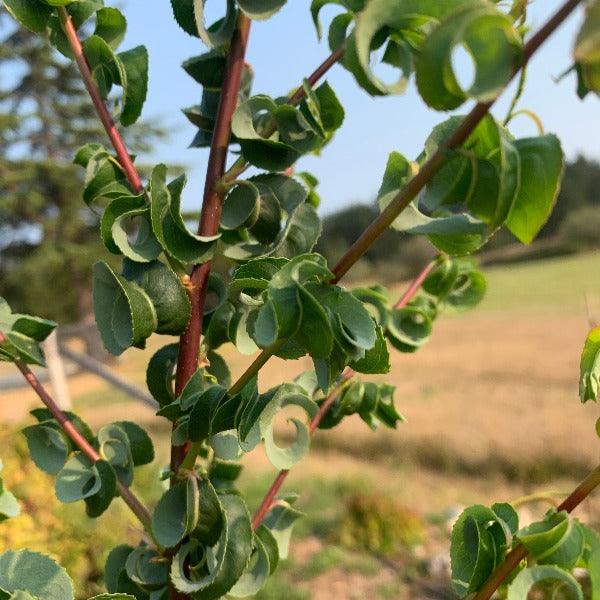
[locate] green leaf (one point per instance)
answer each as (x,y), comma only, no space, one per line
(113,597)
(373,402)
(168,224)
(542,167)
(77,480)
(160,374)
(106,68)
(135,87)
(183,11)
(115,447)
(48,446)
(556,540)
(23,334)
(111,26)
(145,567)
(273,401)
(176,514)
(44,414)
(104,177)
(376,359)
(219,33)
(587,45)
(114,568)
(218,368)
(116,223)
(127,69)
(142,449)
(261,9)
(34,573)
(587,51)
(454,233)
(409,328)
(478,544)
(98,503)
(293,137)
(280,521)
(9,507)
(257,572)
(229,556)
(241,206)
(529,577)
(32,14)
(124,313)
(166,292)
(492,42)
(589,369)
(279,196)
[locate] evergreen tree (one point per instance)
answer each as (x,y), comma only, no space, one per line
(48,238)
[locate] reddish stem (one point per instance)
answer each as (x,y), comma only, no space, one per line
(348,374)
(99,104)
(128,496)
(437,161)
(518,553)
(189,343)
(242,164)
(407,194)
(317,74)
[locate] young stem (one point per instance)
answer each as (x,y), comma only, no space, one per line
(518,553)
(437,161)
(258,363)
(348,374)
(189,343)
(241,164)
(140,511)
(99,104)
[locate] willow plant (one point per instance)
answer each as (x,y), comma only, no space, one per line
(279,298)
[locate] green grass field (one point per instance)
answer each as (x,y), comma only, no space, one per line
(560,283)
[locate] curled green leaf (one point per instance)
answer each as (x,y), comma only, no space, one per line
(531,576)
(124,313)
(34,573)
(168,225)
(589,369)
(23,334)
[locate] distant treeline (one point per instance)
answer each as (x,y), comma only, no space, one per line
(574,226)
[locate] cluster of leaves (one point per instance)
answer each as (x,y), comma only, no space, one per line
(556,545)
(280,296)
(491,181)
(418,38)
(26,575)
(204,521)
(128,69)
(122,446)
(22,336)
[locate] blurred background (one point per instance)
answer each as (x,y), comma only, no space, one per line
(491,401)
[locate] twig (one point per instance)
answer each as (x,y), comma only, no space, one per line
(90,452)
(189,342)
(437,161)
(241,164)
(348,374)
(99,104)
(518,553)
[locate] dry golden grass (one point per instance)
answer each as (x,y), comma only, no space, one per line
(491,403)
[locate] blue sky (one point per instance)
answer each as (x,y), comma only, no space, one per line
(284,49)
